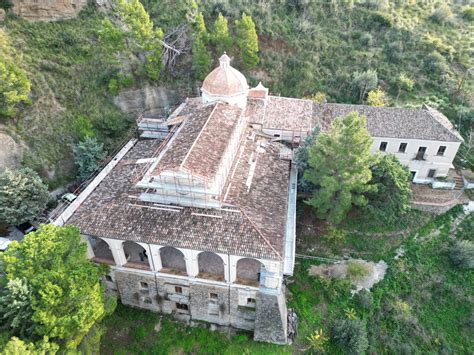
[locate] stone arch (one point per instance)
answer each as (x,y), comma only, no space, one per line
(101,250)
(211,266)
(248,271)
(172,261)
(136,255)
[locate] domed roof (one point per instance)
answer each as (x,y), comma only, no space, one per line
(225,80)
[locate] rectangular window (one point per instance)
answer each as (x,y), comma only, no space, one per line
(431,173)
(402,148)
(251,301)
(421,153)
(441,150)
(147,300)
(108,278)
(213,296)
(182,306)
(143,284)
(178,289)
(383,146)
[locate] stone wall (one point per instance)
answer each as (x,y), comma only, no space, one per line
(48,10)
(215,303)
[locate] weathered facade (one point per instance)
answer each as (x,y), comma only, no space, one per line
(197,217)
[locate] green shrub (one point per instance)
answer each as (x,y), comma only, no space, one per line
(335,235)
(366,39)
(468,14)
(435,63)
(365,299)
(88,155)
(351,335)
(381,19)
(442,14)
(462,254)
(357,270)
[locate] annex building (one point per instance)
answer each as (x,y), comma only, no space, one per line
(197,216)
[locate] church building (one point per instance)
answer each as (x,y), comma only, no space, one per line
(197,216)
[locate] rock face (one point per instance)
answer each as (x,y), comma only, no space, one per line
(48,10)
(150,101)
(10,152)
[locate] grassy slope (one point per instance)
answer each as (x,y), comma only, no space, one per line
(424,305)
(69,72)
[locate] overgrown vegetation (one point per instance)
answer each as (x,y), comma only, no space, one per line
(69,73)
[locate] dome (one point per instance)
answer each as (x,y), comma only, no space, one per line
(225,83)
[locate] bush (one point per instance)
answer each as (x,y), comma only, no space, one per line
(468,14)
(351,335)
(365,299)
(442,14)
(462,254)
(435,63)
(366,39)
(357,270)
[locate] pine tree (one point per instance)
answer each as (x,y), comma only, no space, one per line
(201,59)
(200,28)
(340,162)
(221,37)
(87,155)
(247,40)
(23,196)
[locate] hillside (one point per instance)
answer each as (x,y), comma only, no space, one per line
(305,47)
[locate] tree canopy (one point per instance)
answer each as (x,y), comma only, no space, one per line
(377,97)
(247,40)
(363,82)
(23,196)
(14,84)
(392,193)
(221,37)
(139,37)
(339,165)
(88,154)
(66,295)
(201,59)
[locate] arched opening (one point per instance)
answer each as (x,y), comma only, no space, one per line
(172,261)
(102,252)
(211,266)
(136,256)
(248,272)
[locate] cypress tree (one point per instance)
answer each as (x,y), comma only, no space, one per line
(201,59)
(221,37)
(247,40)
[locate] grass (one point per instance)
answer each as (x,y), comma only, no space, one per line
(423,305)
(132,331)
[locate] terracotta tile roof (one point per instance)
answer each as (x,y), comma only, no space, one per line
(393,122)
(262,197)
(207,152)
(200,143)
(109,213)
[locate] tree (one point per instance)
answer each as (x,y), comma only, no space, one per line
(377,97)
(23,195)
(221,37)
(200,28)
(351,335)
(66,295)
(88,155)
(6,5)
(17,346)
(318,97)
(301,159)
(14,84)
(339,165)
(247,40)
(363,82)
(201,59)
(15,307)
(139,37)
(404,83)
(392,194)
